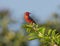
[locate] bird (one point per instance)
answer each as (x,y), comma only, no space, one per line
(27,18)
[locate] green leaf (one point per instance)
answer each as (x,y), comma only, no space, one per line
(53,32)
(49,31)
(42,30)
(32,36)
(40,35)
(28,29)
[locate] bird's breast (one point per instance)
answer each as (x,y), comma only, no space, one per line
(26,17)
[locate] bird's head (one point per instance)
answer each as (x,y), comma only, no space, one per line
(27,13)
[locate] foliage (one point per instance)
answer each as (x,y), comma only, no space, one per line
(47,37)
(9,37)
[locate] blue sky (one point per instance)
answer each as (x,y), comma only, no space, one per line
(41,9)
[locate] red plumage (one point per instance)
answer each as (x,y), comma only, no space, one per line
(27,17)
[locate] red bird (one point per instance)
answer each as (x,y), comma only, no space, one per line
(27,18)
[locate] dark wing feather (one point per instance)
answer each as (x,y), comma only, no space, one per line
(32,19)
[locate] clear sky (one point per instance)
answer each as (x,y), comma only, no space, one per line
(41,9)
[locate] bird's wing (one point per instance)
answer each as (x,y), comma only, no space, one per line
(31,19)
